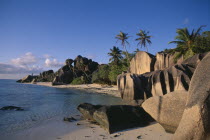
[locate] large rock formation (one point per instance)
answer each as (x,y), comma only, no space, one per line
(46,76)
(130,86)
(119,117)
(84,64)
(27,79)
(87,110)
(64,75)
(167,110)
(115,117)
(165,60)
(176,77)
(195,122)
(194,60)
(79,67)
(142,62)
(156,83)
(82,67)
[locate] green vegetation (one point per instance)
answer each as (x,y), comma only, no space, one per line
(107,74)
(101,76)
(116,55)
(123,37)
(115,70)
(143,39)
(188,44)
(80,80)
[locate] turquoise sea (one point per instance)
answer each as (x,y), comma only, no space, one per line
(41,104)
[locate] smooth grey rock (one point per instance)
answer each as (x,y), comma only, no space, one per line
(195,122)
(87,110)
(165,60)
(167,110)
(142,62)
(130,86)
(115,118)
(119,117)
(156,83)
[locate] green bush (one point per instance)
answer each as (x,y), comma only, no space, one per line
(78,81)
(115,70)
(101,76)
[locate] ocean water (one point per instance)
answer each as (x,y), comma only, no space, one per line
(41,104)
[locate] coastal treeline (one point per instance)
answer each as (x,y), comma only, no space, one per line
(187,44)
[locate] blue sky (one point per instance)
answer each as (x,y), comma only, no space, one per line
(36,35)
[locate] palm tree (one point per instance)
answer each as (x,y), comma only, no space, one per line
(185,41)
(123,37)
(116,55)
(143,39)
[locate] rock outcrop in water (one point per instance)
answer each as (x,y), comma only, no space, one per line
(27,79)
(12,108)
(115,118)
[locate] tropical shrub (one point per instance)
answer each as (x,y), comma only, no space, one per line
(101,76)
(115,70)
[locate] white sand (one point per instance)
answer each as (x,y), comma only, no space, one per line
(95,88)
(151,132)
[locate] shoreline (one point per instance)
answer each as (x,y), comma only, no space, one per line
(56,128)
(94,88)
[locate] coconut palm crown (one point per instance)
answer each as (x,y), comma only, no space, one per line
(116,55)
(143,39)
(123,37)
(185,41)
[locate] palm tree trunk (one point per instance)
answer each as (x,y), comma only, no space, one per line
(128,58)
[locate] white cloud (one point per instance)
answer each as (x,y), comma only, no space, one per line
(91,56)
(53,63)
(15,69)
(26,59)
(47,56)
(186,21)
(28,64)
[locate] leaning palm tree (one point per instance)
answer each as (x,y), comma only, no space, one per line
(185,41)
(143,39)
(123,37)
(116,55)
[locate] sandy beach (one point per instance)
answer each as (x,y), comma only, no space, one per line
(54,129)
(94,88)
